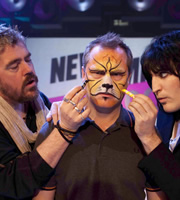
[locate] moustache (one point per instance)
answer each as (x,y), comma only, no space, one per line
(29,78)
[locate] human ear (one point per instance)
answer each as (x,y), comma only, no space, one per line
(83,73)
(128,79)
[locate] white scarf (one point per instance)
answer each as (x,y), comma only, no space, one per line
(16,126)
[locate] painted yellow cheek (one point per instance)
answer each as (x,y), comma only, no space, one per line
(93,84)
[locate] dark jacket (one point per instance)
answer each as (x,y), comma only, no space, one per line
(21,174)
(161,164)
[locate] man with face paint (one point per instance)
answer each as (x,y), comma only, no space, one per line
(102,162)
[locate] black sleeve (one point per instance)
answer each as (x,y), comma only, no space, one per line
(23,175)
(20,174)
(46,100)
(164,168)
(43,134)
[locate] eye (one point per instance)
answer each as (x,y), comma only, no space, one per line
(14,67)
(97,73)
(117,75)
(100,72)
(163,74)
(28,59)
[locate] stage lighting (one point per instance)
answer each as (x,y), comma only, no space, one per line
(141,5)
(44,9)
(81,5)
(171,15)
(174,9)
(13,5)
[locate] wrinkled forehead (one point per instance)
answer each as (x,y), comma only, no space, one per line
(107,57)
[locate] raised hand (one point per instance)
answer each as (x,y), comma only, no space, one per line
(53,113)
(145,113)
(73,109)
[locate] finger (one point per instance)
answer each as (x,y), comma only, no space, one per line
(142,108)
(73,92)
(82,103)
(85,113)
(55,111)
(49,117)
(135,111)
(138,107)
(78,97)
(146,102)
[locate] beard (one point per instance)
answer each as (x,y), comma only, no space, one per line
(25,95)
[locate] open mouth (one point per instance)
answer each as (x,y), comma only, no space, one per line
(30,82)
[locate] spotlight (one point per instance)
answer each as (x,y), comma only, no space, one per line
(171,15)
(44,9)
(81,5)
(141,5)
(13,5)
(174,9)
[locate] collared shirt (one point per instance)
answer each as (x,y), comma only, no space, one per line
(173,141)
(101,165)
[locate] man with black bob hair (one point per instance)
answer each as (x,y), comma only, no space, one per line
(161,68)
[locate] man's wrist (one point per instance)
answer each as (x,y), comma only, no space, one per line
(66,134)
(150,142)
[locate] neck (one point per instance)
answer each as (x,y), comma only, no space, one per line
(105,119)
(19,108)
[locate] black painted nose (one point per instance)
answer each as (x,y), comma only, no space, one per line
(107,86)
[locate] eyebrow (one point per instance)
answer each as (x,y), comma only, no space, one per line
(17,60)
(100,64)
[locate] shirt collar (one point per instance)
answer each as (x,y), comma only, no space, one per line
(125,118)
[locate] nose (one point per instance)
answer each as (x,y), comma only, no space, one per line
(107,78)
(107,86)
(156,84)
(107,82)
(28,68)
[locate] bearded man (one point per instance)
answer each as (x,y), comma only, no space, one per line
(23,111)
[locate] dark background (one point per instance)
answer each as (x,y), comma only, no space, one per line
(68,18)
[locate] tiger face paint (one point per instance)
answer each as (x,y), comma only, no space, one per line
(107,73)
